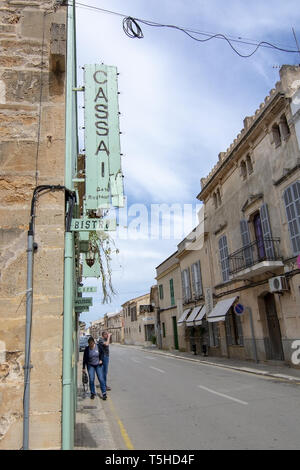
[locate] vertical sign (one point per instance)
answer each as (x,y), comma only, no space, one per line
(209,303)
(104,180)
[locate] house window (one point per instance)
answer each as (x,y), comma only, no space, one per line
(133,314)
(276,135)
(223,251)
(249,165)
(196,280)
(215,200)
(219,200)
(243,169)
(164,330)
(186,286)
(172,292)
(291,198)
(284,127)
(234,330)
(161,292)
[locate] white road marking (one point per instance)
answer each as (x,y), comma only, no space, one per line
(224,396)
(151,358)
(135,360)
(159,370)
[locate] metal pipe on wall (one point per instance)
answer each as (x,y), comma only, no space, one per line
(27,365)
(68,385)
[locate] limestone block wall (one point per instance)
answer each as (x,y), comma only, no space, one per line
(32,144)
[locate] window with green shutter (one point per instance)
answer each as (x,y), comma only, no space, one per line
(172,292)
(161,292)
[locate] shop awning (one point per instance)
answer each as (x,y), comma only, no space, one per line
(193,315)
(200,316)
(220,310)
(183,316)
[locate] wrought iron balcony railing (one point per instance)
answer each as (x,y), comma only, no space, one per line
(266,249)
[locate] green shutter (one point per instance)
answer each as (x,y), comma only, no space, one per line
(172,292)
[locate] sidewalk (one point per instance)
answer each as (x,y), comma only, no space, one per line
(274,370)
(92,430)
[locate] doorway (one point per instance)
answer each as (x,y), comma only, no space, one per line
(175,333)
(275,343)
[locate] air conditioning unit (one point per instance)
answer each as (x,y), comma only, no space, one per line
(278,284)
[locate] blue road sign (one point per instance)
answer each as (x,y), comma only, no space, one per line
(239,309)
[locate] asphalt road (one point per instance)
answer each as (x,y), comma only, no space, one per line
(163,403)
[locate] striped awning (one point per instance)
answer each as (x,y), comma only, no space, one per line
(220,310)
(193,316)
(183,316)
(200,316)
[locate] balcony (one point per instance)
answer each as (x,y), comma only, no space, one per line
(256,258)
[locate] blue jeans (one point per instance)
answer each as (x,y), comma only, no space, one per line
(103,373)
(92,370)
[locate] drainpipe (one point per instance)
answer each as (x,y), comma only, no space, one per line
(68,394)
(27,365)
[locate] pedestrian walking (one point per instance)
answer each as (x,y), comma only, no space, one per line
(103,346)
(92,359)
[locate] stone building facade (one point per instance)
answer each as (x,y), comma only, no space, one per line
(96,328)
(139,321)
(32,153)
(252,219)
(247,248)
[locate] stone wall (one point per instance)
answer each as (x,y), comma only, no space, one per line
(32,143)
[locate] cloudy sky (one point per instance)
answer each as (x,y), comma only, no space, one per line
(182,102)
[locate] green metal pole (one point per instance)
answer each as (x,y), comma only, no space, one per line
(68,418)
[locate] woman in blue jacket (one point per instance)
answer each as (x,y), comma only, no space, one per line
(93,360)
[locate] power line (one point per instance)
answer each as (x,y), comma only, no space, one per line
(132,29)
(129,23)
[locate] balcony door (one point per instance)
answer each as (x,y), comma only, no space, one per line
(259,236)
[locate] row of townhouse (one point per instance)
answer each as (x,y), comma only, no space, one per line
(111,322)
(232,288)
(140,319)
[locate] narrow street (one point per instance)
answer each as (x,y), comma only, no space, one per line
(160,402)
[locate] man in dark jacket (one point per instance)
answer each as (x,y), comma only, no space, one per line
(93,360)
(103,346)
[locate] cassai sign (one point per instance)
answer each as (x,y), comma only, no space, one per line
(104,180)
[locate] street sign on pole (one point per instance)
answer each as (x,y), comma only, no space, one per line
(87,289)
(88,225)
(84,302)
(81,309)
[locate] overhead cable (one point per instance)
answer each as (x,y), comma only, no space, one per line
(133,30)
